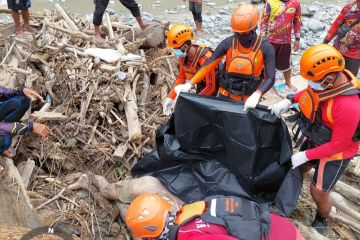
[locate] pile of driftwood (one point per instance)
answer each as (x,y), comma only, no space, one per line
(103,105)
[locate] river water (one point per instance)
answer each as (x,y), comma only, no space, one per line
(156,7)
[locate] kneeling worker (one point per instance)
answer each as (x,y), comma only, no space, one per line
(154,212)
(13,105)
(329,120)
(249,70)
(191,58)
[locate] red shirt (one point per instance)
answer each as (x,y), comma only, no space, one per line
(281,229)
(279,18)
(343,119)
(349,46)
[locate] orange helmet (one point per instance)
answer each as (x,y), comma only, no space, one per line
(244,18)
(319,60)
(146,215)
(179,34)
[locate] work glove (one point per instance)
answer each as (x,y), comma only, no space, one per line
(183,88)
(280,107)
(298,159)
(252,101)
(167,105)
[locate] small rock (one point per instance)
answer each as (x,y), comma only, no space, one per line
(115,229)
(313,9)
(315,25)
(158,2)
(222,11)
(82,193)
(210,4)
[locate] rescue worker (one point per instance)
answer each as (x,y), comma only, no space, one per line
(153,210)
(278,20)
(191,58)
(195,7)
(249,69)
(346,28)
(100,7)
(329,120)
(14,104)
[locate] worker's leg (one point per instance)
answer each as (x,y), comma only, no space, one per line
(283,62)
(100,7)
(16,17)
(26,17)
(352,65)
(327,173)
(197,16)
(13,109)
(133,7)
(15,13)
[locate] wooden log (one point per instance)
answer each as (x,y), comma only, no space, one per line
(346,222)
(68,20)
(109,68)
(15,206)
(134,127)
(154,36)
(27,172)
(339,202)
(48,116)
(309,233)
(347,191)
(108,23)
(120,152)
(354,167)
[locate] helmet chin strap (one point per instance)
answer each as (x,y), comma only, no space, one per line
(332,81)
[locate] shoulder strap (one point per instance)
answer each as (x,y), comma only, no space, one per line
(349,88)
(257,44)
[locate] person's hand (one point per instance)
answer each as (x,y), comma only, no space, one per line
(41,130)
(280,107)
(32,95)
(296,45)
(167,104)
(183,88)
(298,159)
(252,101)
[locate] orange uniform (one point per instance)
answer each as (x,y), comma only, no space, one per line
(207,85)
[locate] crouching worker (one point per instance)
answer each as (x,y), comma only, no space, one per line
(329,120)
(191,58)
(13,105)
(156,214)
(249,69)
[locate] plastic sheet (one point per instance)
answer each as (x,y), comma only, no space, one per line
(212,147)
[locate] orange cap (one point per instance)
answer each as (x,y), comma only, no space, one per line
(319,60)
(244,18)
(146,215)
(178,35)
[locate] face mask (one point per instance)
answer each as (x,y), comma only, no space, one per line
(316,86)
(178,53)
(245,39)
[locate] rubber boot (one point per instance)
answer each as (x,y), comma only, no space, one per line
(320,224)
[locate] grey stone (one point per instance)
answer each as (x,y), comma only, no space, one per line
(313,9)
(82,193)
(222,11)
(315,25)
